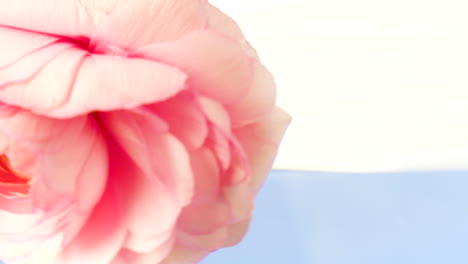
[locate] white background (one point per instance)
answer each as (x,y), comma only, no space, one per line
(372,85)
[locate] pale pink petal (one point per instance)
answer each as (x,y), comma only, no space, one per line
(261,141)
(259,101)
(207,177)
(16,223)
(217,66)
(56,17)
(240,199)
(226,26)
(113,82)
(17,43)
(44,91)
(182,255)
(149,210)
(219,144)
(223,24)
(152,257)
(103,235)
(204,219)
(144,244)
(132,24)
(216,113)
(185,120)
(159,155)
(76,144)
(28,66)
(225,236)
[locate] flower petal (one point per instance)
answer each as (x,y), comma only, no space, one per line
(25,68)
(160,156)
(56,17)
(118,82)
(184,118)
(216,113)
(150,210)
(217,66)
(259,101)
(132,24)
(261,141)
(42,91)
(103,235)
(155,256)
(77,146)
(63,88)
(17,43)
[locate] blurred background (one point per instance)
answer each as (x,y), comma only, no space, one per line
(372,85)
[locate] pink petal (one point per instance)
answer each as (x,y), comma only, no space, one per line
(144,244)
(182,255)
(217,66)
(155,256)
(103,235)
(259,101)
(132,24)
(25,68)
(218,143)
(261,141)
(216,113)
(115,82)
(225,236)
(55,17)
(184,118)
(42,91)
(223,24)
(159,155)
(63,88)
(207,177)
(204,219)
(76,144)
(18,43)
(226,26)
(150,211)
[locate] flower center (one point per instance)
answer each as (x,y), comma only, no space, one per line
(8,174)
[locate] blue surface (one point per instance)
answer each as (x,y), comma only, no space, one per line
(332,218)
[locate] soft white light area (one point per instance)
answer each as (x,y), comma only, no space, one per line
(372,85)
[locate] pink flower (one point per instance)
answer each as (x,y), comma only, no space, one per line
(130,131)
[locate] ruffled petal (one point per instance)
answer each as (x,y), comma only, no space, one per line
(183,255)
(261,141)
(117,82)
(225,236)
(56,17)
(26,67)
(207,177)
(43,91)
(103,235)
(18,43)
(76,144)
(155,256)
(186,121)
(63,88)
(217,66)
(216,113)
(159,155)
(132,24)
(155,178)
(259,101)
